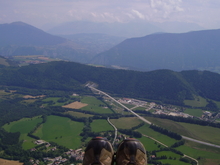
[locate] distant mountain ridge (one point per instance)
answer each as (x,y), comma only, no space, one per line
(183,51)
(19,33)
(131,29)
(19,38)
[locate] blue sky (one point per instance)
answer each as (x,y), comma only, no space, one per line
(40,12)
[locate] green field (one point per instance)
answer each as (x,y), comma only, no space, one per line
(95,105)
(204,155)
(53,100)
(203,133)
(194,112)
(156,135)
(149,144)
(197,102)
(126,122)
(173,162)
(217,103)
(101,125)
(24,126)
(62,131)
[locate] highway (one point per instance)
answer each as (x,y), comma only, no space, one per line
(143,119)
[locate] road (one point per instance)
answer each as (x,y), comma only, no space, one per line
(116,130)
(201,142)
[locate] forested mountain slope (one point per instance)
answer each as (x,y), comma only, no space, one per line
(184,51)
(162,85)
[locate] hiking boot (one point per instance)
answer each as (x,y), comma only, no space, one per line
(98,152)
(131,152)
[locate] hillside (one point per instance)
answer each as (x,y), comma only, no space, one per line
(161,85)
(19,33)
(184,51)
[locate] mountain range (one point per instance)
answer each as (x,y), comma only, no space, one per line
(175,51)
(19,33)
(181,51)
(19,38)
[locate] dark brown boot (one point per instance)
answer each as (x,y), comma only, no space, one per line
(98,152)
(131,152)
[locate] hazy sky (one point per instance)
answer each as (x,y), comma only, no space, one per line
(205,13)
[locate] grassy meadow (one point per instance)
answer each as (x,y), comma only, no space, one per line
(203,155)
(101,125)
(194,112)
(149,144)
(156,135)
(197,102)
(203,133)
(62,131)
(95,105)
(24,126)
(126,122)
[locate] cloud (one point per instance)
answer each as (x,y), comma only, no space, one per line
(39,12)
(166,7)
(138,14)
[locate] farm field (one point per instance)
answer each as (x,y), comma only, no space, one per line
(53,101)
(204,133)
(126,122)
(202,154)
(101,125)
(24,126)
(149,144)
(197,102)
(156,135)
(95,105)
(217,103)
(194,112)
(62,131)
(75,105)
(9,162)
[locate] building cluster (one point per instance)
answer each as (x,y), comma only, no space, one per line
(208,116)
(132,101)
(55,161)
(164,112)
(76,154)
